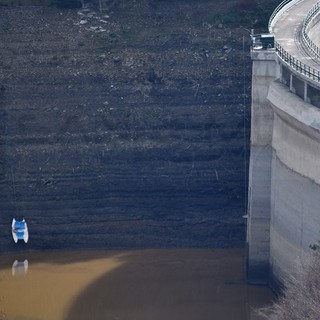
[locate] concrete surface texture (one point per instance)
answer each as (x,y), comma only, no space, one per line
(287,31)
(263,72)
(284,177)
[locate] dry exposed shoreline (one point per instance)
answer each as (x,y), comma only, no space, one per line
(126,137)
(125,129)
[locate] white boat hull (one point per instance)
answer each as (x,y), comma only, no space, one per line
(19,230)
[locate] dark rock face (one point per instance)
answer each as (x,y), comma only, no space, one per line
(125,130)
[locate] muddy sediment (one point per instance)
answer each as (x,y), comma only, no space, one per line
(134,284)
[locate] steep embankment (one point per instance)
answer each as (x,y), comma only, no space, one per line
(124,129)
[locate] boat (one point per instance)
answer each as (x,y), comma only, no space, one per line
(20,230)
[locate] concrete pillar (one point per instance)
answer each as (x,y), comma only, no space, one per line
(305,92)
(264,71)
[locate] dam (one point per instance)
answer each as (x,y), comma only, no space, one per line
(284,172)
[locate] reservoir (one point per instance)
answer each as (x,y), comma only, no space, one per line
(127,139)
(144,284)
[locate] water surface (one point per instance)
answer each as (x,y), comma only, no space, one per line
(157,284)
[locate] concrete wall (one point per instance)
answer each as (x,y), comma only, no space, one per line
(284,175)
(295,180)
(264,71)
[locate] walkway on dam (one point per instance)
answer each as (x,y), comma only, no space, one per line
(287,32)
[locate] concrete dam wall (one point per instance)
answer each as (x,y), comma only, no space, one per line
(284,174)
(295,191)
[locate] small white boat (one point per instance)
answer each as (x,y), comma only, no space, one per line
(20,230)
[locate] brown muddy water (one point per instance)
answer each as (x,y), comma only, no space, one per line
(171,284)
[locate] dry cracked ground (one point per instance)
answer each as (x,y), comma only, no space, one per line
(126,128)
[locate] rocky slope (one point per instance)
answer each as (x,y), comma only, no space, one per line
(123,129)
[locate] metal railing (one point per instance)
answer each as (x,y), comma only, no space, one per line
(305,37)
(286,57)
(296,64)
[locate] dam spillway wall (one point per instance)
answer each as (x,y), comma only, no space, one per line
(284,173)
(295,180)
(258,235)
(284,177)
